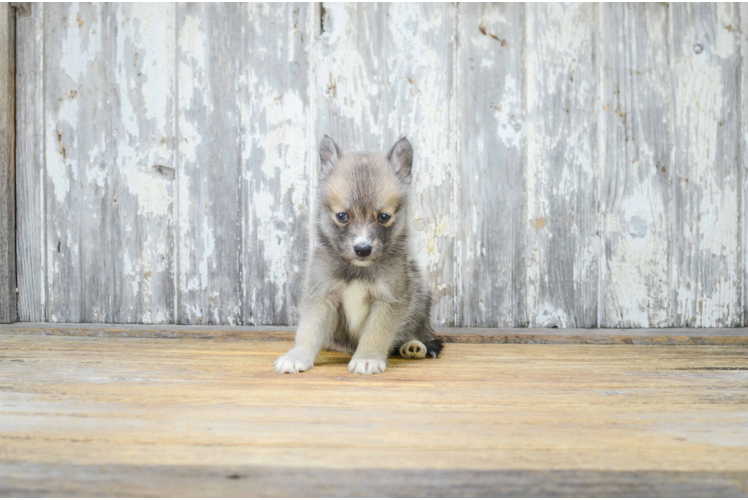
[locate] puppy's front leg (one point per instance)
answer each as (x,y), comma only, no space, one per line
(371,355)
(317,323)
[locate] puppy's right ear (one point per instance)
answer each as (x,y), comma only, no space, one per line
(329,153)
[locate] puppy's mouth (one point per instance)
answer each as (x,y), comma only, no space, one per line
(362,262)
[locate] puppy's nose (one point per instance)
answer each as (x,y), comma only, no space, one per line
(362,250)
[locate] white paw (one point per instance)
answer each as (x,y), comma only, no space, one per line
(367,366)
(294,361)
(414,349)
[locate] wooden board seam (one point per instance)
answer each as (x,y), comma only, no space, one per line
(598,336)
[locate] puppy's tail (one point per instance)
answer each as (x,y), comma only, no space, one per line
(434,347)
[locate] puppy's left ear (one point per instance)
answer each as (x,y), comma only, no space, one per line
(401,157)
(329,154)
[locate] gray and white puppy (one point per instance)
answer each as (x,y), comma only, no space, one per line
(363,291)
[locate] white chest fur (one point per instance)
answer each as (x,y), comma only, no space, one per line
(356,306)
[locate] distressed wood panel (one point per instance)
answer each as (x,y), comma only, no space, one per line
(636,165)
(108,142)
(30,167)
(490,238)
(276,158)
(706,234)
(576,165)
(385,70)
(743,160)
(211,58)
(7,165)
(77,154)
(142,174)
(562,103)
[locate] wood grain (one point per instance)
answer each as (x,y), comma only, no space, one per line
(78,162)
(243,162)
(637,336)
(383,71)
(636,167)
(8,312)
(142,161)
(126,416)
(31,167)
(562,102)
(743,159)
(490,234)
(107,142)
(278,154)
(42,480)
(706,231)
(210,64)
(23,9)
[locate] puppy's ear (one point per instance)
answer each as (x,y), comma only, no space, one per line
(401,157)
(329,153)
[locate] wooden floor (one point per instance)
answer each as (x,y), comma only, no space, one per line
(93,416)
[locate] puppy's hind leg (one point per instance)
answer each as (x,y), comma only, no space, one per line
(413,349)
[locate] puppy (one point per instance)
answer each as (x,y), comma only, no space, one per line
(363,292)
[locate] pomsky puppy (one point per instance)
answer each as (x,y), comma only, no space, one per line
(363,291)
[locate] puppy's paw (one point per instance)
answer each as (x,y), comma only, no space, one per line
(367,366)
(294,361)
(414,349)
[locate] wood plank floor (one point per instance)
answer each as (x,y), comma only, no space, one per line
(93,416)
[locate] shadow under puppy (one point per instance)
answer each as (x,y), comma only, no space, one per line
(363,291)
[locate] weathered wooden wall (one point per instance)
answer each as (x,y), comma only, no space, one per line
(8,303)
(577,165)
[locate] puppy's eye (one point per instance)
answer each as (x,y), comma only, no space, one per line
(384,218)
(342,217)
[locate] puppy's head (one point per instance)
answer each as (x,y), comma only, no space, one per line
(363,201)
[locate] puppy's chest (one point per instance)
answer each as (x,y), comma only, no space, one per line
(356,306)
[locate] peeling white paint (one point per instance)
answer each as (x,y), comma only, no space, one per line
(562,258)
(586,176)
(706,268)
(81,45)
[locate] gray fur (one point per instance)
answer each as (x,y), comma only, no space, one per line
(401,157)
(328,155)
(397,302)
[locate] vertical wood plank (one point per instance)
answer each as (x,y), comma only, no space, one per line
(743,160)
(78,160)
(8,301)
(385,70)
(210,58)
(30,168)
(143,173)
(490,281)
(276,173)
(350,74)
(562,100)
(636,166)
(77,125)
(706,234)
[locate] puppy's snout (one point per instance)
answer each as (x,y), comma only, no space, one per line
(362,250)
